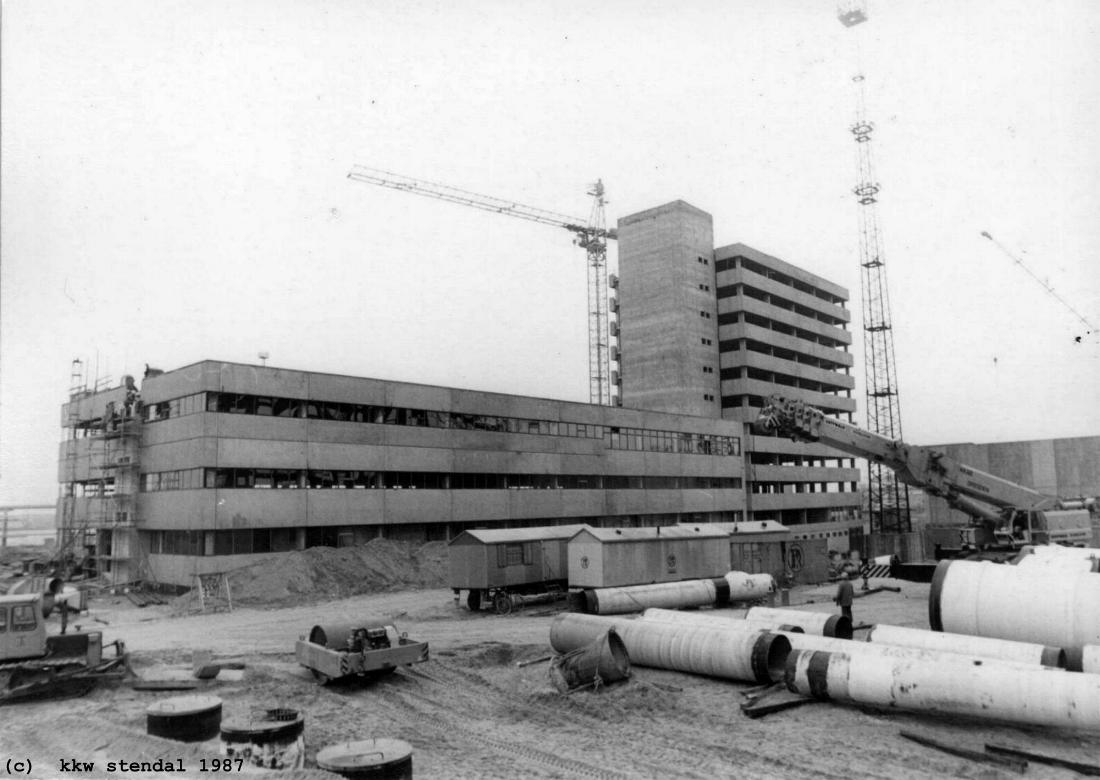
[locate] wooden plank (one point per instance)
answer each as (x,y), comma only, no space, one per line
(1090,770)
(1005,762)
(773,701)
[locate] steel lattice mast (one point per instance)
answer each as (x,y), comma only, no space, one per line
(592,236)
(888,499)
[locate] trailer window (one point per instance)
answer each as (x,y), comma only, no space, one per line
(3,619)
(22,618)
(512,555)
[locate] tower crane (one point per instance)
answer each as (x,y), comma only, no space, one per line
(592,236)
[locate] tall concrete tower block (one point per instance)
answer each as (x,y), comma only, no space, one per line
(668,317)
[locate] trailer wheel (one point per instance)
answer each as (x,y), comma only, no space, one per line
(502,602)
(473,601)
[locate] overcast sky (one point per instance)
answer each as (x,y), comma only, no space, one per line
(174,189)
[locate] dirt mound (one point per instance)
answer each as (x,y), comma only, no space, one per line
(329,572)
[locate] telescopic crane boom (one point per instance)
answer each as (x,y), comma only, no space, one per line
(996,504)
(591,235)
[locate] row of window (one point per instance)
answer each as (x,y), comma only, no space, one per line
(735,317)
(293,479)
(245,541)
(730,263)
(615,437)
(93,488)
(733,290)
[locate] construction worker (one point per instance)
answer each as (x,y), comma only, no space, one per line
(844,595)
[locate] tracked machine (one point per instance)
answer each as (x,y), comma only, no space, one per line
(1004,516)
(36,665)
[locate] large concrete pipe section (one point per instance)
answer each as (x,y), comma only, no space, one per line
(1038,604)
(1063,558)
(748,587)
(748,655)
(1090,659)
(947,684)
(715,619)
(635,598)
(821,623)
(962,644)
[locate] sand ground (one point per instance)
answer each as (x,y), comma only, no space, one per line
(471,712)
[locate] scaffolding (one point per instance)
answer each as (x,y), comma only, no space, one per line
(97,512)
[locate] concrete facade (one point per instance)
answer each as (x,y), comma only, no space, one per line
(783,329)
(228,462)
(715,331)
(668,317)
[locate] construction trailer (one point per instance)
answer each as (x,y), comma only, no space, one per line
(493,564)
(769,547)
(615,557)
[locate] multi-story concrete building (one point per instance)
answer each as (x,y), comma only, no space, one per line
(710,331)
(217,463)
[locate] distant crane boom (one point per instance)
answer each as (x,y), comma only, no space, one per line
(1044,285)
(592,236)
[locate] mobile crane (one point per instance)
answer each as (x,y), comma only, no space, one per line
(1005,516)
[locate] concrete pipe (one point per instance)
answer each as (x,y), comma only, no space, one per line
(821,623)
(1038,604)
(861,650)
(816,642)
(1090,659)
(604,661)
(712,619)
(1075,559)
(749,587)
(749,655)
(943,683)
(618,601)
(962,644)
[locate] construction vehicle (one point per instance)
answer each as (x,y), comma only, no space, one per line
(1005,516)
(367,649)
(37,665)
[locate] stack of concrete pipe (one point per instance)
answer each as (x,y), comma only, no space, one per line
(1043,604)
(903,646)
(749,654)
(901,668)
(718,591)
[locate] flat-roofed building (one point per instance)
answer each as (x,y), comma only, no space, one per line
(217,463)
(715,331)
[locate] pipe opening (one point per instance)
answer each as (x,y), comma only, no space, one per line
(1054,656)
(838,626)
(769,657)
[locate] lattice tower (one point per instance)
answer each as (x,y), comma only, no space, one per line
(888,499)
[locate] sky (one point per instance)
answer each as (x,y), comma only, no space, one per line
(175,189)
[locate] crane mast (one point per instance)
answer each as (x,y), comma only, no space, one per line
(592,236)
